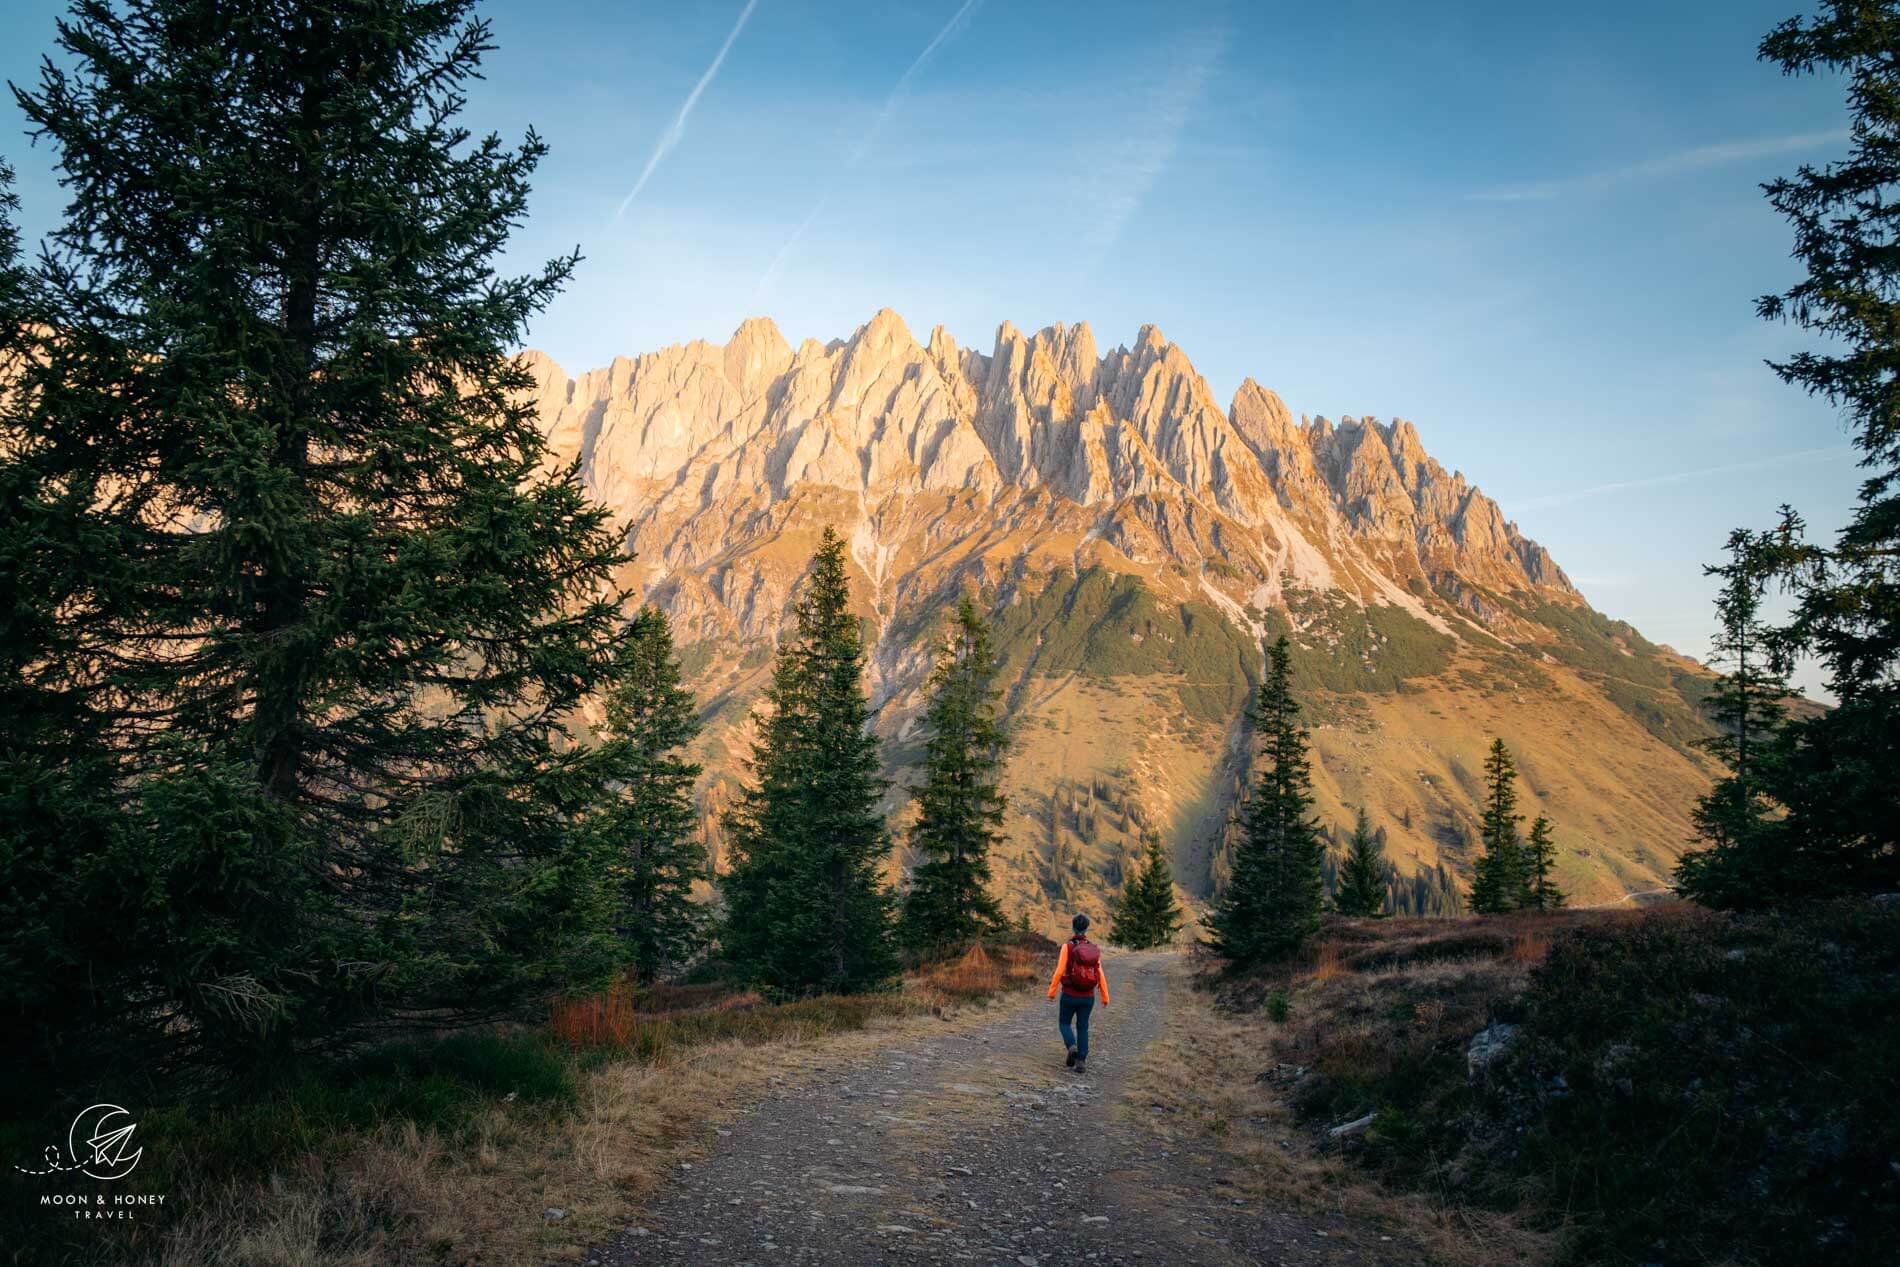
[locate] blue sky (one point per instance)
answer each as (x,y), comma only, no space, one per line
(1533,230)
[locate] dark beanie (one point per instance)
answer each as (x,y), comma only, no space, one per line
(1080,923)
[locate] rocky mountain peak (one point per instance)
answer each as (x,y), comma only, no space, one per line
(1134,540)
(756,355)
(884,329)
(1132,441)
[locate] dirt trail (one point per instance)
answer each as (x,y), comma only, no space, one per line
(979,1147)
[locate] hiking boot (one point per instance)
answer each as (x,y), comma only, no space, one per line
(1071,1060)
(1081,1066)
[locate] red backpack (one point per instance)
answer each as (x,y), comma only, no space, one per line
(1084,970)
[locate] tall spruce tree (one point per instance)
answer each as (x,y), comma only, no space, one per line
(650,827)
(1541,892)
(278,465)
(76,992)
(1360,887)
(1274,895)
(1834,777)
(1734,818)
(1500,883)
(1146,913)
(806,910)
(960,810)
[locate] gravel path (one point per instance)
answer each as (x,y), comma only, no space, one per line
(977,1147)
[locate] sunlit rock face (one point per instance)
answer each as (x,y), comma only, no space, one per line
(1133,542)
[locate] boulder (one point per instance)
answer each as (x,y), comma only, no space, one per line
(1487,1045)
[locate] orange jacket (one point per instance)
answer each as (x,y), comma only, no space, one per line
(1062,966)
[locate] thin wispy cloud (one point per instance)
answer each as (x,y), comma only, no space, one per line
(866,140)
(1681,477)
(673,134)
(1117,187)
(1701,156)
(883,116)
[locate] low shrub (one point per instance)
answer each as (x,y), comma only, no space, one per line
(1680,1087)
(1391,1041)
(1105,625)
(1343,648)
(1713,1089)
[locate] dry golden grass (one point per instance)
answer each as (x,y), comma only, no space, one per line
(1530,947)
(625,1015)
(1403,762)
(979,973)
(479,1193)
(1585,761)
(597,1020)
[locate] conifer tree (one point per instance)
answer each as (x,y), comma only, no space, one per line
(650,827)
(1360,889)
(1500,883)
(960,810)
(1274,894)
(1835,775)
(1146,913)
(280,464)
(64,847)
(1734,867)
(1540,865)
(806,909)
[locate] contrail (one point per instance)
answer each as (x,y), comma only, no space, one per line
(865,142)
(910,71)
(678,130)
(1665,165)
(1120,184)
(1800,455)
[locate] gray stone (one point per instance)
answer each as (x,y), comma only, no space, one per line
(1487,1045)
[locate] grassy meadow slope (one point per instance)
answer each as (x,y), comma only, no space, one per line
(1128,712)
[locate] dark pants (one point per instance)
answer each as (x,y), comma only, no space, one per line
(1077,1010)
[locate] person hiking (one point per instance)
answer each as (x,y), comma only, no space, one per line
(1080,978)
